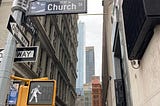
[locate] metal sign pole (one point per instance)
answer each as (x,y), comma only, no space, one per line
(10,50)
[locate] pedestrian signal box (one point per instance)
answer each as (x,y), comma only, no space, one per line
(42,93)
(36,92)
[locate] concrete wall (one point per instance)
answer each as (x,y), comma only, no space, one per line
(107,32)
(5,8)
(145,81)
(142,85)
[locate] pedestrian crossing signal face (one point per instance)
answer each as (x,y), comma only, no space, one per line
(41,93)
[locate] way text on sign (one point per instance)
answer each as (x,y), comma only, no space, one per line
(25,54)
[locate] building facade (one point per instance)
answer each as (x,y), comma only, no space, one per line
(107,84)
(115,76)
(130,52)
(87,94)
(56,37)
(81,56)
(80,100)
(90,63)
(96,91)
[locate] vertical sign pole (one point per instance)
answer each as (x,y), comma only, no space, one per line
(8,59)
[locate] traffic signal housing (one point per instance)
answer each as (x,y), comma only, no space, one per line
(42,93)
(36,92)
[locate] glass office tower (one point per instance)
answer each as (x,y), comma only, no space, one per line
(81,56)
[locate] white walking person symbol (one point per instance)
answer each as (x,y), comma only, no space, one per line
(34,93)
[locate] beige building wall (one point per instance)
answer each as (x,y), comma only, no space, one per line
(111,91)
(145,81)
(142,84)
(5,8)
(107,32)
(79,101)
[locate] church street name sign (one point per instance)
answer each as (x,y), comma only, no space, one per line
(50,7)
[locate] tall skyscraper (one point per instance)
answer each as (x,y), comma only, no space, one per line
(81,56)
(90,63)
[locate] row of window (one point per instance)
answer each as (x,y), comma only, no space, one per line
(62,89)
(67,38)
(50,66)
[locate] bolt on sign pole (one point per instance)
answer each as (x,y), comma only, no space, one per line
(10,50)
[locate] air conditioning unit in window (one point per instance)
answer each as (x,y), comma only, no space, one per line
(140,18)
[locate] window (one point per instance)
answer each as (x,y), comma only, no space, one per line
(0,2)
(47,66)
(53,70)
(54,39)
(50,31)
(58,84)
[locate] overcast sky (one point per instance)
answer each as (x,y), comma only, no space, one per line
(93,25)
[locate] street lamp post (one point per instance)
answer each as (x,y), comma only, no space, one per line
(19,6)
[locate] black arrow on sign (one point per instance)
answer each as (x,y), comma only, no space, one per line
(1,50)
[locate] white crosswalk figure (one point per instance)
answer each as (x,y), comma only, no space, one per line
(35,91)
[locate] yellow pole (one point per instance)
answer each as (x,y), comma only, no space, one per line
(22,96)
(26,79)
(19,78)
(54,94)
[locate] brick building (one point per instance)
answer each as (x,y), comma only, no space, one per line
(96,91)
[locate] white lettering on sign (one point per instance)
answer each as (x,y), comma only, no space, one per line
(14,28)
(18,34)
(23,39)
(61,7)
(25,54)
(1,54)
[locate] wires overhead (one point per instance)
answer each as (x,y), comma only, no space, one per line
(93,14)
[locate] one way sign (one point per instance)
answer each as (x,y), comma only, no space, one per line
(26,54)
(16,32)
